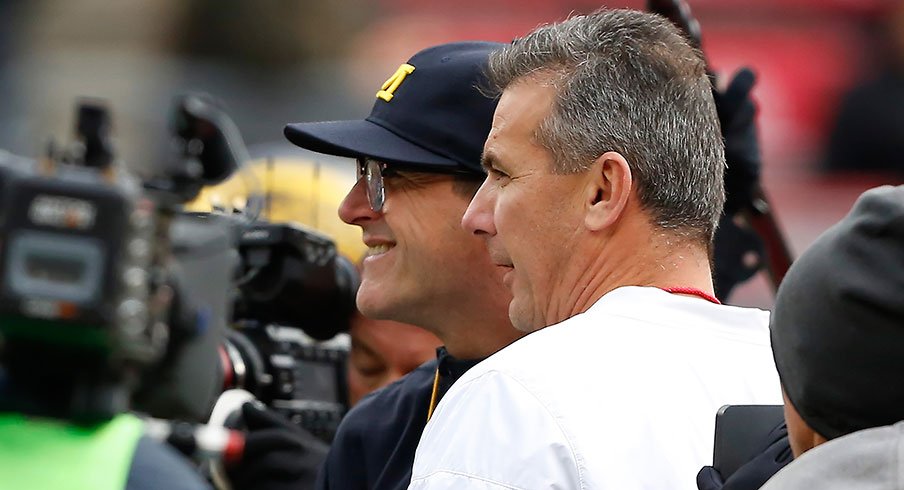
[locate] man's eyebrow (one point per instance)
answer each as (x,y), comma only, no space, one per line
(487,160)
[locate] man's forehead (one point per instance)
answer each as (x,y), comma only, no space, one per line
(521,108)
(517,120)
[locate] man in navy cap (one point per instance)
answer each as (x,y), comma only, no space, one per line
(418,156)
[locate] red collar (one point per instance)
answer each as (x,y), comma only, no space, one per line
(694,292)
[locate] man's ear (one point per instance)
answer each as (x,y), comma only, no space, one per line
(608,189)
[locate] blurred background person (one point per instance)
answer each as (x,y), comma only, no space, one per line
(868,131)
(382,351)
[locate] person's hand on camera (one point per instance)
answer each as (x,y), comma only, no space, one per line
(278,454)
(737,115)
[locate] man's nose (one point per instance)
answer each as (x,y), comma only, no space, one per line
(478,218)
(355,208)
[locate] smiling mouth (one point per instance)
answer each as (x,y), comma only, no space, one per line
(378,249)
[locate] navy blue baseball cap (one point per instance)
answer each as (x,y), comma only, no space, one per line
(429,113)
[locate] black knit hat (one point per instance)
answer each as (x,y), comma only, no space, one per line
(838,324)
(430,113)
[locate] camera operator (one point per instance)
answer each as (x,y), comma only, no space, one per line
(384,351)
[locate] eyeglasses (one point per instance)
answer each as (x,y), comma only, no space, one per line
(374,171)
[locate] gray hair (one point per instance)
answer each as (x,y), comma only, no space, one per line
(628,81)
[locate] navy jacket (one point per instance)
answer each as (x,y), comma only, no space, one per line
(375,443)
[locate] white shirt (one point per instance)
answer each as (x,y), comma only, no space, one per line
(623,396)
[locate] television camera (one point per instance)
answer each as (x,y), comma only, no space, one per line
(112,298)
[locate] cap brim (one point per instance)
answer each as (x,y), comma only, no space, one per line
(361,138)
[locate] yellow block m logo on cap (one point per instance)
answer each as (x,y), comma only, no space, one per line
(389,86)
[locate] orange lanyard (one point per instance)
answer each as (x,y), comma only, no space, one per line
(433,395)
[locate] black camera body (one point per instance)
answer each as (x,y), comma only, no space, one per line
(290,372)
(294,276)
(296,292)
